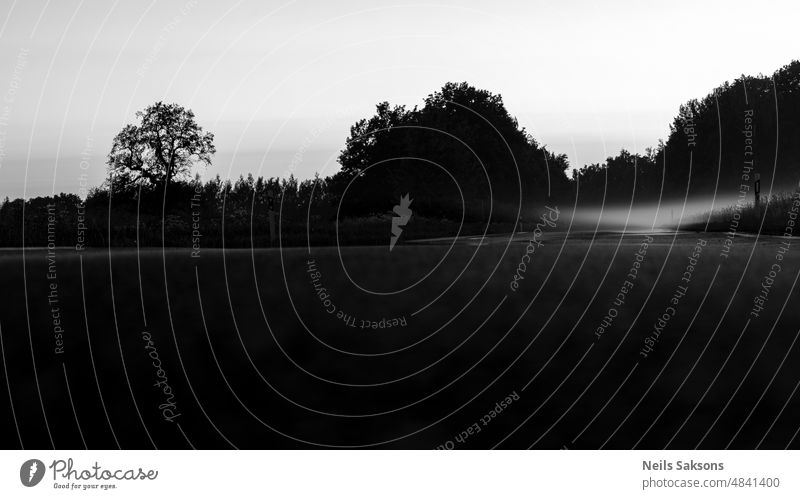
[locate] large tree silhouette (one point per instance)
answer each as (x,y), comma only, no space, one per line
(462,144)
(165,145)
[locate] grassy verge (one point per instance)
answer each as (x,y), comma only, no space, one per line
(771,217)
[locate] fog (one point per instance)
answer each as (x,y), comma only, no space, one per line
(664,215)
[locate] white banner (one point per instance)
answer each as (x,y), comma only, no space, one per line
(400,474)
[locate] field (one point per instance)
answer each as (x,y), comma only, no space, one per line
(427,345)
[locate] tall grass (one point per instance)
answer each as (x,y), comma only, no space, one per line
(770,217)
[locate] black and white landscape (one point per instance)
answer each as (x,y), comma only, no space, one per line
(516,225)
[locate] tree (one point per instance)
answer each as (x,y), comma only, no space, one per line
(165,145)
(373,139)
(459,150)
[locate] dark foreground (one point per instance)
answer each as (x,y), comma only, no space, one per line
(424,346)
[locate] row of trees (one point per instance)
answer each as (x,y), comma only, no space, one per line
(236,211)
(461,149)
(752,118)
(461,154)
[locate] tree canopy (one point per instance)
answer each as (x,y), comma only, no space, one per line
(165,144)
(711,144)
(461,150)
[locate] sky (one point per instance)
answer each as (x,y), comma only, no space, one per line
(280,83)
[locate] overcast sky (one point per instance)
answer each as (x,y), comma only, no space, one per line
(281,83)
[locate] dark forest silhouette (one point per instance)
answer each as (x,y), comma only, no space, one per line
(461,154)
(712,132)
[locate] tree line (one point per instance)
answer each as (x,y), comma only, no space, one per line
(461,157)
(238,209)
(715,143)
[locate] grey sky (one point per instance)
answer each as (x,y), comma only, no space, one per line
(280,83)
